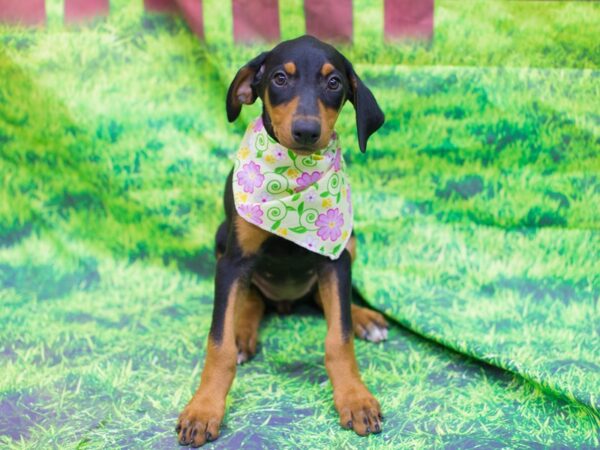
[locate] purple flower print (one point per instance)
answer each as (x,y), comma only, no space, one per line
(280,153)
(310,243)
(337,160)
(311,196)
(258,125)
(306,179)
(252,213)
(330,224)
(250,177)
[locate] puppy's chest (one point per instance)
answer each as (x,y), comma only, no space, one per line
(284,271)
(284,287)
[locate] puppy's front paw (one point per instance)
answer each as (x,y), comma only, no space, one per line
(368,324)
(199,422)
(359,411)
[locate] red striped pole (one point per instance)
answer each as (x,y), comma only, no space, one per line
(191,10)
(330,20)
(255,20)
(79,10)
(192,13)
(161,5)
(25,12)
(408,18)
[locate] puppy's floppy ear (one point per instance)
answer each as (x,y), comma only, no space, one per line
(242,89)
(369,116)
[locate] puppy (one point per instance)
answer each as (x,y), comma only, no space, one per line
(288,228)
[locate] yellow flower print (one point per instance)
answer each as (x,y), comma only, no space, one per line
(327,203)
(291,172)
(241,197)
(283,231)
(344,235)
(270,159)
(244,152)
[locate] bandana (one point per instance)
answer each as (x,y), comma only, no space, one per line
(304,199)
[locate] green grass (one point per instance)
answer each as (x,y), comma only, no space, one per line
(474,211)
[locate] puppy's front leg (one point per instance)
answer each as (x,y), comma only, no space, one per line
(200,420)
(356,406)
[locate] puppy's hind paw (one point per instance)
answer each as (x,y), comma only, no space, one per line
(246,345)
(374,333)
(243,357)
(369,325)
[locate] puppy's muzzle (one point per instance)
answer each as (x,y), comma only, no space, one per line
(306,132)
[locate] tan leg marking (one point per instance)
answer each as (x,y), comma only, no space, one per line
(248,313)
(356,406)
(249,236)
(201,418)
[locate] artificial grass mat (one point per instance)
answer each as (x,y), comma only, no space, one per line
(103,353)
(474,210)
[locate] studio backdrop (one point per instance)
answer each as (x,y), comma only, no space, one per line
(476,209)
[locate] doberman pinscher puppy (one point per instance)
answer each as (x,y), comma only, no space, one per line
(303,85)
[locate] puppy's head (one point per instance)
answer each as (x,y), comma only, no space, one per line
(303,84)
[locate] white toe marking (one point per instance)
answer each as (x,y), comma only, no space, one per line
(376,333)
(242,357)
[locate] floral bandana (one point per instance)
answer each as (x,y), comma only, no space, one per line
(304,199)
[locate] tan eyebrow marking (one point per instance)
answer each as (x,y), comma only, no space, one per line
(290,68)
(327,69)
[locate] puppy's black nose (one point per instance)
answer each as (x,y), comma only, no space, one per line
(306,132)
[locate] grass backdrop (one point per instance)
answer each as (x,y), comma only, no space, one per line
(476,209)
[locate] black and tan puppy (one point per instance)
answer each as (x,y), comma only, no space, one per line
(303,84)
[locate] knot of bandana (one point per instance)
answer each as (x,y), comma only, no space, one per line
(304,199)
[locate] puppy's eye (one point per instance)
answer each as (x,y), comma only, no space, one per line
(280,79)
(334,83)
